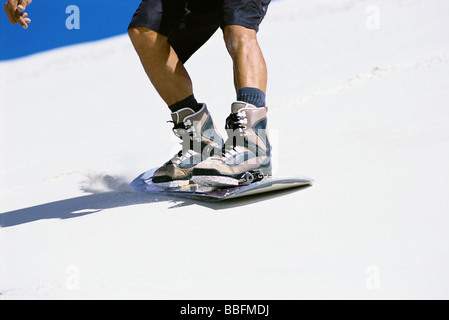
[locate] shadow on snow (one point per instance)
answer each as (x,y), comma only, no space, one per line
(97,202)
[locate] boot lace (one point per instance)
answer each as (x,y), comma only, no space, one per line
(238,123)
(186,132)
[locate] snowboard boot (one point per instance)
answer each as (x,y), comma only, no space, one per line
(199,139)
(246,156)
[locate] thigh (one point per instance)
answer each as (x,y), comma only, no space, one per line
(246,13)
(159,15)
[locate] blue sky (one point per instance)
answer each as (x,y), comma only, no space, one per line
(48,30)
(98,19)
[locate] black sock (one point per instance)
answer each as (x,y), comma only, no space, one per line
(189,102)
(253,96)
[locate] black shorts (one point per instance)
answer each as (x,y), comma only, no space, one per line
(188,24)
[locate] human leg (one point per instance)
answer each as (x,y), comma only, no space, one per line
(163,46)
(247,150)
(250,69)
(161,64)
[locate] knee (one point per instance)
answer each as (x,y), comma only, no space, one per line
(135,34)
(238,38)
(146,39)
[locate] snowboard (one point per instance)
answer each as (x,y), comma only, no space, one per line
(144,183)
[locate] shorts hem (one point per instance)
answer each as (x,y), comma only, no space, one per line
(148,26)
(241,23)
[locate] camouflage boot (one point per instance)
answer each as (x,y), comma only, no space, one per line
(199,139)
(247,153)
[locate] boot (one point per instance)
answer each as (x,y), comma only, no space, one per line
(247,153)
(199,139)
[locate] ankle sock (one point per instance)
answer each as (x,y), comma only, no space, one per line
(189,102)
(253,96)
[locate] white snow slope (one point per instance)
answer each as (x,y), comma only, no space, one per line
(358,95)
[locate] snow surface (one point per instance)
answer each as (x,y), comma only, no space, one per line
(360,109)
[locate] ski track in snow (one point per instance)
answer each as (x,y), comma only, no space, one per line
(428,61)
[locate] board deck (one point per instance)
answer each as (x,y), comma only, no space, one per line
(144,183)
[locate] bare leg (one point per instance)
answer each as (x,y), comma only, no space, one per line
(161,63)
(250,69)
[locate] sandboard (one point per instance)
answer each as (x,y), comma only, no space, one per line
(143,183)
